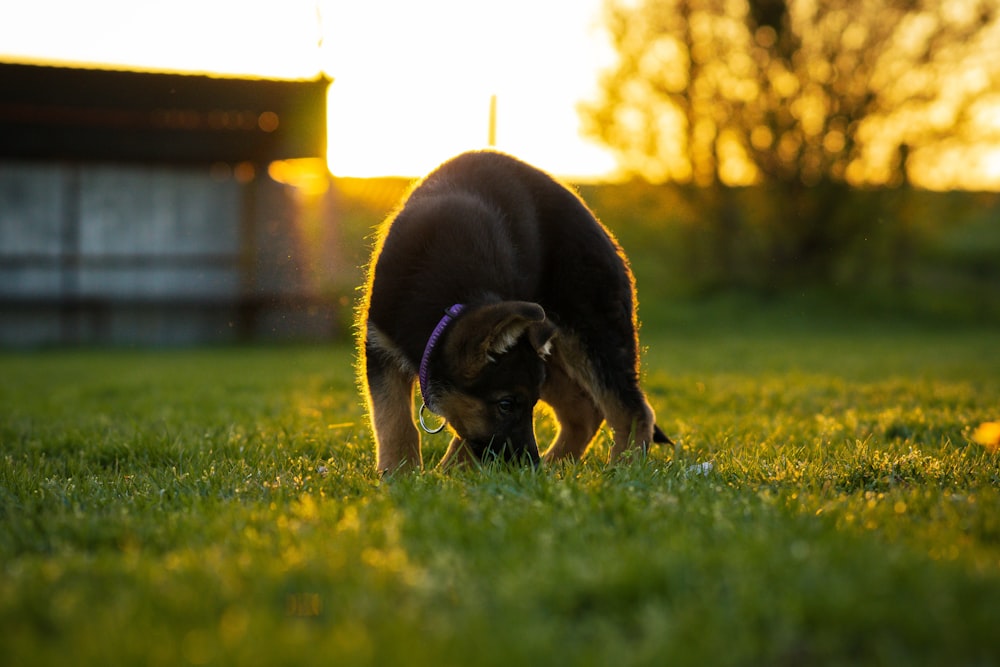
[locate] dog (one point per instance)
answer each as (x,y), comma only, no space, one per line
(494,287)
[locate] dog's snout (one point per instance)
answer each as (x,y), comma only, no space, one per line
(512,449)
(527,452)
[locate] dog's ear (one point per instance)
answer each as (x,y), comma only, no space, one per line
(478,337)
(541,335)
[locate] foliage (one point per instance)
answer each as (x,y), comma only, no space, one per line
(921,251)
(220,507)
(804,99)
(789,91)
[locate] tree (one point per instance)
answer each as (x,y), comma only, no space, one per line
(801,97)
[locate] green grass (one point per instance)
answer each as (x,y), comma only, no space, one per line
(219,507)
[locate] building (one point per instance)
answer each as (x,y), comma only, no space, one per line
(136,207)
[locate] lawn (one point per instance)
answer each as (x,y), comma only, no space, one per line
(825,504)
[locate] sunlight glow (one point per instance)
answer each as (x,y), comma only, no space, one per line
(307,175)
(412,81)
(235,37)
(954,165)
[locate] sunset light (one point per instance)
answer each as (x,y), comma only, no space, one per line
(412,81)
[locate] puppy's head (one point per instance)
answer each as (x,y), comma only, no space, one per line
(488,375)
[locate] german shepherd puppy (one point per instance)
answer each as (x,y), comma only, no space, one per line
(495,287)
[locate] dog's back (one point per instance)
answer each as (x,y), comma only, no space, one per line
(485,225)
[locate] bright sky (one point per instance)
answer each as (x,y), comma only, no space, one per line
(413,78)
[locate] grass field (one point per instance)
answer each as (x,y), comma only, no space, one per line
(219,507)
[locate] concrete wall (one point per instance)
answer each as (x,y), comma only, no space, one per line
(151,255)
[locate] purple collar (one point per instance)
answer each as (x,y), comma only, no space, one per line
(424,376)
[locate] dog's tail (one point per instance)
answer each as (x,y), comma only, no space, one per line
(661,437)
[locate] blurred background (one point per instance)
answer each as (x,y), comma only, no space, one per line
(191,172)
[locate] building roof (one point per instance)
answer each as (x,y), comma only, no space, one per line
(62,113)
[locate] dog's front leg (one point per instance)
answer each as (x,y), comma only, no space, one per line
(390,405)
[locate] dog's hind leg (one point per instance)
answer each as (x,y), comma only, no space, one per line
(634,426)
(578,416)
(390,405)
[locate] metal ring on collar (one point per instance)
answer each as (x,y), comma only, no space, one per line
(420,418)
